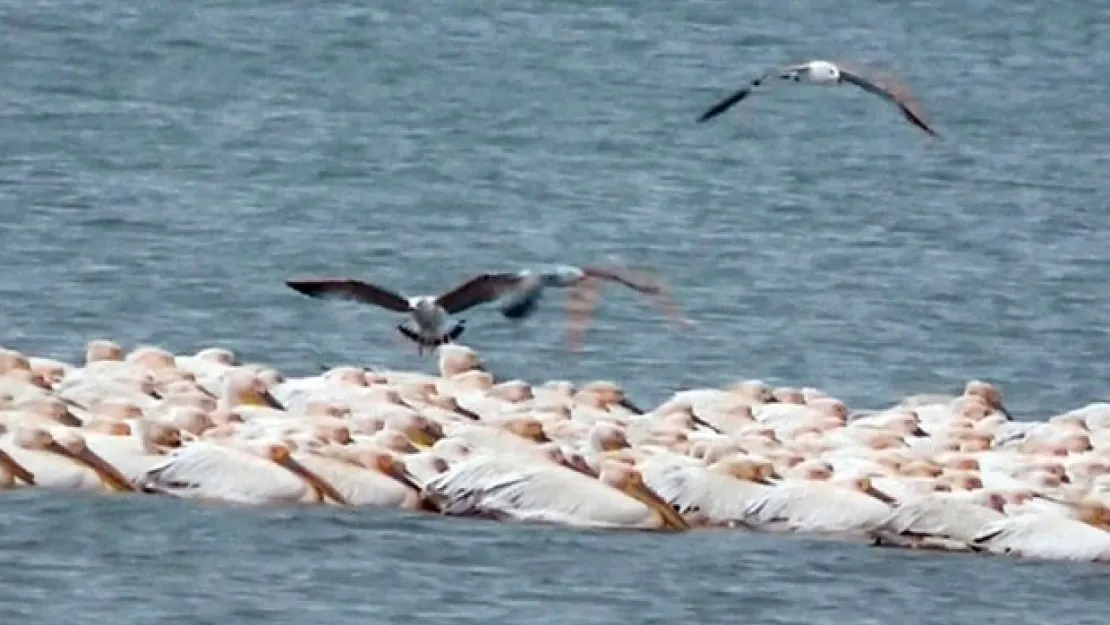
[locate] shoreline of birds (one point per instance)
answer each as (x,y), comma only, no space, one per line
(951,473)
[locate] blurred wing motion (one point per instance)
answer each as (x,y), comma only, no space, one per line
(891,92)
(479,290)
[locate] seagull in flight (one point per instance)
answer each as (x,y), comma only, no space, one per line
(584,289)
(429,324)
(826,73)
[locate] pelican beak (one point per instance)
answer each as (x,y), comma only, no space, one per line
(628,405)
(16,469)
(109,475)
(421,438)
(323,489)
(261,398)
(672,520)
(574,462)
(881,496)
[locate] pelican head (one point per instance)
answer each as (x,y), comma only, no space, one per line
(757,391)
(99,350)
(151,357)
(11,360)
(386,464)
(1094,513)
(629,481)
(280,454)
(527,428)
(989,393)
(864,485)
(72,445)
(455,359)
(605,436)
(243,388)
(746,470)
(422,431)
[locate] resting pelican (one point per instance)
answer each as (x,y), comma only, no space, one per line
(366,478)
(1050,536)
(61,460)
(828,507)
(826,73)
(715,495)
(430,314)
(941,520)
(246,472)
(528,489)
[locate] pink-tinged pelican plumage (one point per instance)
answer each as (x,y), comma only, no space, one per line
(528,489)
(366,477)
(1050,536)
(941,520)
(61,460)
(244,472)
(838,506)
(717,494)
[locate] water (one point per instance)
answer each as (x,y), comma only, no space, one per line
(166,167)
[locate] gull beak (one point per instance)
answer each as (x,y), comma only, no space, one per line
(672,520)
(109,475)
(323,489)
(16,469)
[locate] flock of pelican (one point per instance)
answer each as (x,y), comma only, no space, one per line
(932,472)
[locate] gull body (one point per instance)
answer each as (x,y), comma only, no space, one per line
(430,322)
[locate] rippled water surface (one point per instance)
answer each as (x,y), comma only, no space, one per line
(165,166)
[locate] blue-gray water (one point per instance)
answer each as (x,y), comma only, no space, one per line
(166,166)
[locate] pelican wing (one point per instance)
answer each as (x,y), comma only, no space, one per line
(208,471)
(535,491)
(696,491)
(897,96)
(819,507)
(941,515)
(479,290)
(1049,537)
(351,290)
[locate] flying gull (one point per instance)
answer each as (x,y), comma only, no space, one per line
(826,73)
(430,324)
(584,287)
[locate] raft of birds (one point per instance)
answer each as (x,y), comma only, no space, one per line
(949,473)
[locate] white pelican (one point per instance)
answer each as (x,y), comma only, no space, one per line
(61,460)
(246,472)
(366,478)
(826,73)
(715,495)
(134,448)
(839,506)
(430,314)
(941,520)
(528,489)
(1050,536)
